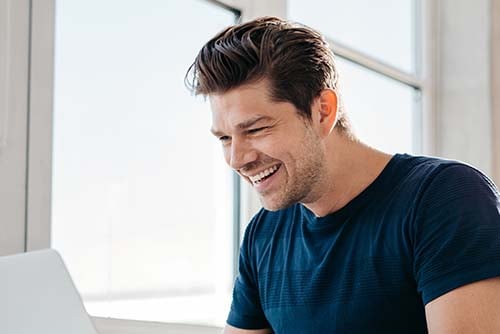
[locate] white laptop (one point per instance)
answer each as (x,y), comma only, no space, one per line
(37,296)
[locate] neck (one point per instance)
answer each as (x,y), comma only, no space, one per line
(351,167)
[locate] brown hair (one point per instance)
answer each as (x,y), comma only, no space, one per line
(295,59)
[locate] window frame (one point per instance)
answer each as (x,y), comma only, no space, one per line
(40,117)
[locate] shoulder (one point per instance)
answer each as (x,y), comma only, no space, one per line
(449,192)
(428,167)
(455,184)
(441,178)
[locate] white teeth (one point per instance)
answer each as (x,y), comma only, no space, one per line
(257,178)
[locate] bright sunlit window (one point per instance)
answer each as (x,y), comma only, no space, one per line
(142,201)
(385,113)
(384,29)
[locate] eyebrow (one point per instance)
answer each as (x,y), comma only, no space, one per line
(245,124)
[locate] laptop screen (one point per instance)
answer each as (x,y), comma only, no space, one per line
(37,295)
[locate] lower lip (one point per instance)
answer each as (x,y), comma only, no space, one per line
(266,183)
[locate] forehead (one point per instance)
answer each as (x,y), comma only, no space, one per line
(246,102)
(240,99)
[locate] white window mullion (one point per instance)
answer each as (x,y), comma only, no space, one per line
(374,64)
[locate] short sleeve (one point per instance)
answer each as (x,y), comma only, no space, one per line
(246,310)
(457,231)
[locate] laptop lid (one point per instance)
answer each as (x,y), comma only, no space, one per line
(37,295)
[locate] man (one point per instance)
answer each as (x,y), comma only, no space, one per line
(350,239)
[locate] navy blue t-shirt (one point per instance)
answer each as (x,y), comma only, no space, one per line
(424,227)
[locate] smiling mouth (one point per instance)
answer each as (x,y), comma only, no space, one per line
(256,179)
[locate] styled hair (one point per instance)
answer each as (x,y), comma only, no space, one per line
(295,59)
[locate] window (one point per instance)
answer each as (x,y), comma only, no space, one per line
(141,200)
(377,48)
(384,112)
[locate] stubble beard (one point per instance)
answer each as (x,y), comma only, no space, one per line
(310,172)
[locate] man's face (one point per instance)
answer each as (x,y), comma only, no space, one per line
(269,145)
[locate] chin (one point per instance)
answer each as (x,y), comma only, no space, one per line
(274,205)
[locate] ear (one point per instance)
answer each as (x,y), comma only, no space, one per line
(328,110)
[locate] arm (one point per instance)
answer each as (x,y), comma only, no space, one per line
(472,308)
(233,330)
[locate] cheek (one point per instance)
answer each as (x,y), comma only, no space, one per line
(269,146)
(266,154)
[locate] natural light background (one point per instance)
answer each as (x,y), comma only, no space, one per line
(385,113)
(141,198)
(383,29)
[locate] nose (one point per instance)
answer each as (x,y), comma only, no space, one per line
(240,154)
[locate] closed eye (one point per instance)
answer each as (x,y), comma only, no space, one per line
(250,131)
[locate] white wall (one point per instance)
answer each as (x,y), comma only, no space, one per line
(463,106)
(495,85)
